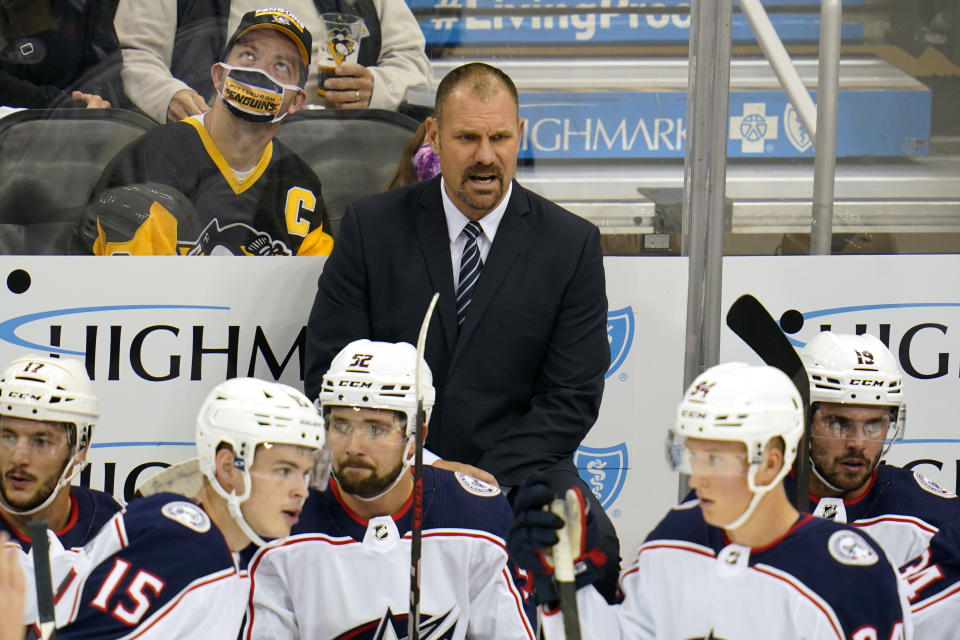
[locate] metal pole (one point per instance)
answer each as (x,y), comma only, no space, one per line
(783,67)
(825,161)
(704,183)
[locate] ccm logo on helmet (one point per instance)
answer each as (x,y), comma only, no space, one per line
(690,413)
(24,396)
(355,383)
(866,383)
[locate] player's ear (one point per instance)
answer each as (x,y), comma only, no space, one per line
(227,474)
(772,462)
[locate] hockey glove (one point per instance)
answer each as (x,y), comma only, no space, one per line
(534,532)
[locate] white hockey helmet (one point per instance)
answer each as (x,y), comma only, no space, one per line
(736,402)
(378,375)
(247,412)
(52,390)
(851,369)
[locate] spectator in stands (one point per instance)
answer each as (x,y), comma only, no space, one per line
(165,44)
(58,53)
(417,161)
(219,183)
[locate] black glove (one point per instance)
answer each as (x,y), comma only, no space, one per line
(534,530)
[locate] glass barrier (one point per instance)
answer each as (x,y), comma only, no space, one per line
(603,89)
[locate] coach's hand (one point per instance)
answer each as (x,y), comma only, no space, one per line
(534,531)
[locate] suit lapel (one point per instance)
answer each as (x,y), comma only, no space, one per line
(510,239)
(435,247)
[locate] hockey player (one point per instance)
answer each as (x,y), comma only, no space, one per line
(168,566)
(856,407)
(933,585)
(47,414)
(740,561)
(357,533)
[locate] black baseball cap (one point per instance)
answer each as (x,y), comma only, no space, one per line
(279,19)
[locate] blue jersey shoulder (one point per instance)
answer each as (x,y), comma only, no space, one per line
(168,543)
(449,501)
(89,511)
(453,500)
(685,522)
(844,567)
(94,509)
(901,491)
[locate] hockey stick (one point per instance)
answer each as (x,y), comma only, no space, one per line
(40,545)
(568,509)
(753,323)
(184,478)
(416,531)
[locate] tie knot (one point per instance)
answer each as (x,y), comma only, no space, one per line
(473,229)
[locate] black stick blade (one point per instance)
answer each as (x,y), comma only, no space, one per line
(751,321)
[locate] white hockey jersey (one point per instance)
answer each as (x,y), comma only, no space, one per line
(159,570)
(340,576)
(820,581)
(933,581)
(901,510)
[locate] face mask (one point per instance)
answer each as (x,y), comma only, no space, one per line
(253,94)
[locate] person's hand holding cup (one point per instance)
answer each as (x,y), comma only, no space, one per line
(340,80)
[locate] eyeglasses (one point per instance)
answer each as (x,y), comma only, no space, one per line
(842,428)
(38,444)
(681,458)
(372,430)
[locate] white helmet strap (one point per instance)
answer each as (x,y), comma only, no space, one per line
(234,501)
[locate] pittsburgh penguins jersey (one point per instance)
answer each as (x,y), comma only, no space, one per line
(340,576)
(277,209)
(89,511)
(160,569)
(820,581)
(933,586)
(901,510)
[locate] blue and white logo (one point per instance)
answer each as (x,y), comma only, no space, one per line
(620,325)
(796,133)
(754,127)
(604,470)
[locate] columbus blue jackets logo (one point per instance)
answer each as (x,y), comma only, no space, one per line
(620,335)
(848,547)
(604,470)
(930,486)
(393,626)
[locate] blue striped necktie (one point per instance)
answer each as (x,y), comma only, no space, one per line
(470,265)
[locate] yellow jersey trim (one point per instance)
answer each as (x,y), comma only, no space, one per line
(238,186)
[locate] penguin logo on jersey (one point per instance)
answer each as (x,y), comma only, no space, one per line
(620,335)
(604,470)
(235,239)
(393,626)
